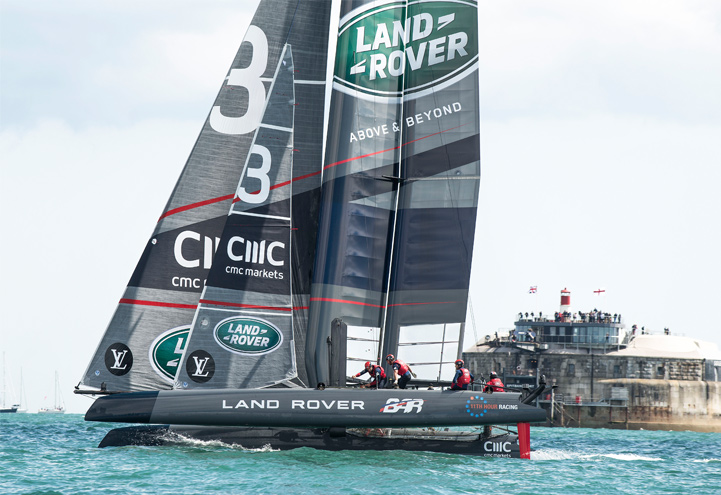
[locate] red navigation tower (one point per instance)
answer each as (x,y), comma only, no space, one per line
(565,300)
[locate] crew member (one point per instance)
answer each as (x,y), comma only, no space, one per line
(401,371)
(462,377)
(377,373)
(494,384)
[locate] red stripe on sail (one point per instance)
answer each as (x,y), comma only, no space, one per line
(345,301)
(195,205)
(249,306)
(235,199)
(138,302)
(282,184)
(327,299)
(389,149)
(423,303)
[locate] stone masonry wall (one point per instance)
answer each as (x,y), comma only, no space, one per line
(662,393)
(572,372)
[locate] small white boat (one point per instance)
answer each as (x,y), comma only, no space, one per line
(58,402)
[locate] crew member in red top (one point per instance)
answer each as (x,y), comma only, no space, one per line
(462,377)
(377,373)
(401,371)
(494,384)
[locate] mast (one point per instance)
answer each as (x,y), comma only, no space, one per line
(3,384)
(401,177)
(23,395)
(438,197)
(398,180)
(358,199)
(59,402)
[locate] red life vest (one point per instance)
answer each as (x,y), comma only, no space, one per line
(378,370)
(374,371)
(402,367)
(465,377)
(496,384)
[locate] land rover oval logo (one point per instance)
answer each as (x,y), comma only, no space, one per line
(388,50)
(166,351)
(245,335)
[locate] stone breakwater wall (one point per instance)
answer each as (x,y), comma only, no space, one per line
(651,405)
(602,391)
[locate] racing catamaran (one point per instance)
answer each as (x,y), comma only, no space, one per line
(275,266)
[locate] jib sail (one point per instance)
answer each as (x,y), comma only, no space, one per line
(143,344)
(242,333)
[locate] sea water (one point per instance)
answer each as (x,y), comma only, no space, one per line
(42,454)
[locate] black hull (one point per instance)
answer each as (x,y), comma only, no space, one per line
(307,408)
(335,439)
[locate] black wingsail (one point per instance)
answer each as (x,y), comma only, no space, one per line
(401,180)
(143,344)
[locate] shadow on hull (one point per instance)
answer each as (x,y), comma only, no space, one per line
(409,439)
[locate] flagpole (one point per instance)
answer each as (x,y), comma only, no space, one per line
(533,289)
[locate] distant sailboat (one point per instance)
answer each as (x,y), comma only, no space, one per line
(23,405)
(5,405)
(58,402)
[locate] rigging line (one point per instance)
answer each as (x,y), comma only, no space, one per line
(290,26)
(408,344)
(473,319)
(399,188)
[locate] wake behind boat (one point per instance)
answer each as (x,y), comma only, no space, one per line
(277,268)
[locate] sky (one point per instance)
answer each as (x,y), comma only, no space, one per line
(600,148)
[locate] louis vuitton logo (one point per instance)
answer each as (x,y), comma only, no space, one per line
(200,365)
(119,356)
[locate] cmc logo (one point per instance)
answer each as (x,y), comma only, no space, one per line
(244,335)
(240,249)
(405,405)
(490,446)
(406,48)
(166,351)
(194,244)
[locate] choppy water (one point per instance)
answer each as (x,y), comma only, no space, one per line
(58,455)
